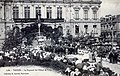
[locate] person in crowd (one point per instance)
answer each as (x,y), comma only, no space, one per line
(115,57)
(72,73)
(67,71)
(98,67)
(93,57)
(91,67)
(85,69)
(1,57)
(102,73)
(64,60)
(66,51)
(77,72)
(1,60)
(90,56)
(111,55)
(115,74)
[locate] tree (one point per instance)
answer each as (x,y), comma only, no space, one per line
(14,39)
(30,32)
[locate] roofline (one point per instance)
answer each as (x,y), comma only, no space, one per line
(66,2)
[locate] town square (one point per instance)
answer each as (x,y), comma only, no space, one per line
(59,38)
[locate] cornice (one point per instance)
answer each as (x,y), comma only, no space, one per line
(48,1)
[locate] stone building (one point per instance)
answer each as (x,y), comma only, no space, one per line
(76,17)
(110,27)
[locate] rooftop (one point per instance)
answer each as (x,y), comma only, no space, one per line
(55,1)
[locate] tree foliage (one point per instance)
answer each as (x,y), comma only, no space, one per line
(15,36)
(14,39)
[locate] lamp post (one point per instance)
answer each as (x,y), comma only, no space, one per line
(39,22)
(101,48)
(112,28)
(112,35)
(5,16)
(39,28)
(4,4)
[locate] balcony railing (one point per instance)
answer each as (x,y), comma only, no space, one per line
(86,20)
(26,20)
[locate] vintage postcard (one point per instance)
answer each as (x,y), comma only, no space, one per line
(59,38)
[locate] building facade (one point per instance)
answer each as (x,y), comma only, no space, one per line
(110,27)
(76,17)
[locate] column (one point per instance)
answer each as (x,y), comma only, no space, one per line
(39,28)
(54,11)
(21,12)
(43,11)
(64,12)
(90,13)
(32,11)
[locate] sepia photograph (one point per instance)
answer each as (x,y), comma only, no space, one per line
(59,37)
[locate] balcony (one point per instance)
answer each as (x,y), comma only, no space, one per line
(27,20)
(85,20)
(52,20)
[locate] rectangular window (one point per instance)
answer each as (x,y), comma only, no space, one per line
(27,12)
(59,12)
(49,12)
(76,14)
(86,28)
(95,29)
(94,15)
(15,12)
(76,29)
(86,14)
(38,10)
(94,26)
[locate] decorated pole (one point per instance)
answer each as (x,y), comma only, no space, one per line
(39,22)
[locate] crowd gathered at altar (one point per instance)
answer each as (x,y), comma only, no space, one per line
(56,57)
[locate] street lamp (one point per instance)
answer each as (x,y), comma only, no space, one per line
(112,28)
(39,22)
(101,47)
(5,16)
(4,4)
(39,28)
(112,35)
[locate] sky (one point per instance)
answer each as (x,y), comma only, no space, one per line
(110,7)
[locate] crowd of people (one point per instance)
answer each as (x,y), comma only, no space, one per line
(113,56)
(54,56)
(89,69)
